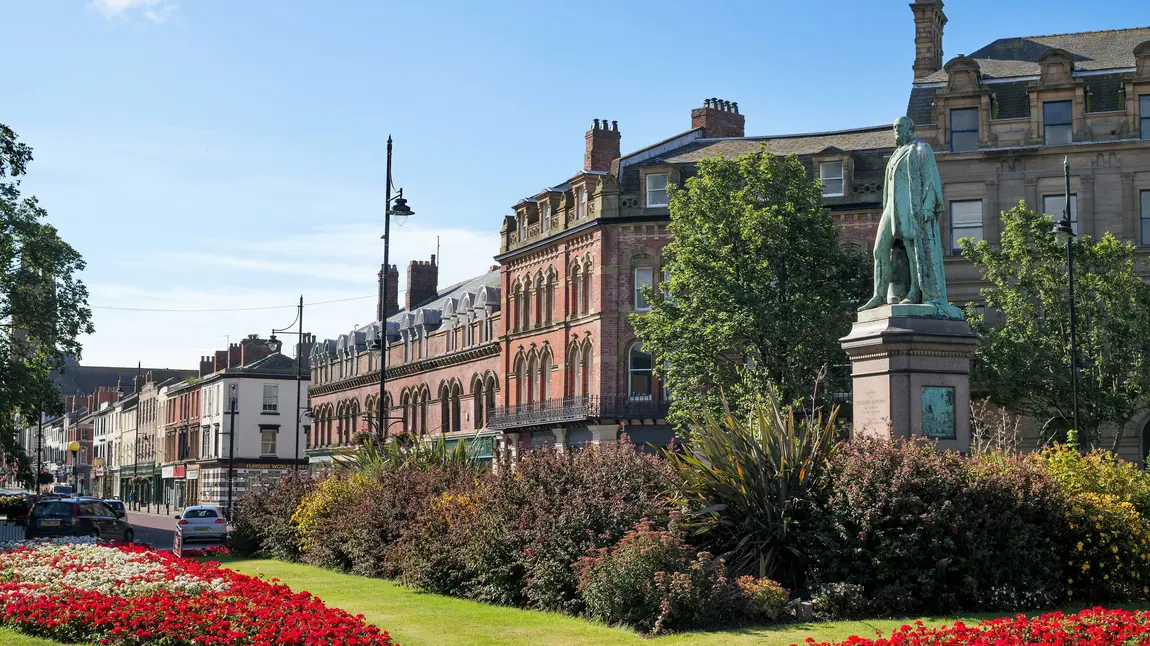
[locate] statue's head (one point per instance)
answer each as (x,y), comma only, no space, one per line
(903,131)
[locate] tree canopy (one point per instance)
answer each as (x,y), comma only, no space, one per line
(1024,362)
(760,290)
(43,306)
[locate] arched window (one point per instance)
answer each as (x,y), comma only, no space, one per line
(549,292)
(477,401)
(444,408)
(576,296)
(585,291)
(639,373)
(352,420)
(424,400)
(525,311)
(545,377)
(517,302)
(405,404)
(456,393)
(489,389)
(573,372)
(585,367)
(532,375)
(540,300)
(521,382)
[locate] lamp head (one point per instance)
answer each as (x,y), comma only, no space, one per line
(401,210)
(274,344)
(1064,231)
(73,446)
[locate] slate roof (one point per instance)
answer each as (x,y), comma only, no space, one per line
(489,279)
(874,137)
(1091,50)
(77,379)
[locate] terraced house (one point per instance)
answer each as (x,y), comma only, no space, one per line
(557,363)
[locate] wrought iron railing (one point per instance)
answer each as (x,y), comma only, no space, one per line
(577,409)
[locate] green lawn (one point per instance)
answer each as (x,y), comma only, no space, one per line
(10,637)
(417,619)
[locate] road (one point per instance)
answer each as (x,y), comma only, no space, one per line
(157,531)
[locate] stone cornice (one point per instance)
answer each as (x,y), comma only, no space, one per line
(489,349)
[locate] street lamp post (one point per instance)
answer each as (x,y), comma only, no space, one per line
(74,447)
(1064,230)
(233,401)
(274,345)
(400,210)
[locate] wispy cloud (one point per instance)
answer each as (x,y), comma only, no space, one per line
(153,10)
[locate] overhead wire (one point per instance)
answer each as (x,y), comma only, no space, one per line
(226,309)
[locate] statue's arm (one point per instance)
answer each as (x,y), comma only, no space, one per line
(932,202)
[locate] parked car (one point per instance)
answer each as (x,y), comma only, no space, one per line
(203,523)
(61,490)
(117,506)
(76,517)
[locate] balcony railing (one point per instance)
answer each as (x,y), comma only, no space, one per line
(578,409)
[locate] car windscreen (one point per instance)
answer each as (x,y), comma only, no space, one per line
(200,513)
(52,509)
(62,490)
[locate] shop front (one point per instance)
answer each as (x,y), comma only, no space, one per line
(175,485)
(248,475)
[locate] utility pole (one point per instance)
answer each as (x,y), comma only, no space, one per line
(39,449)
(135,488)
(232,403)
(298,386)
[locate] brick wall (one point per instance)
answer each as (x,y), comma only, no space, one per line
(422,282)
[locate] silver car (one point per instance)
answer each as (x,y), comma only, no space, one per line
(202,523)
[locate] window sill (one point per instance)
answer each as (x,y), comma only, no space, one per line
(834,194)
(269,412)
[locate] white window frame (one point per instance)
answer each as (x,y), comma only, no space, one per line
(642,276)
(954,130)
(272,405)
(956,229)
(545,216)
(841,177)
(1058,216)
(580,203)
(264,441)
(1046,126)
(653,193)
(631,370)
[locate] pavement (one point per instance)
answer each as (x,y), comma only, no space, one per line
(158,530)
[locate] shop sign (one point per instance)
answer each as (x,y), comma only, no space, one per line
(167,472)
(179,471)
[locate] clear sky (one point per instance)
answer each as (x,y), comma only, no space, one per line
(216,154)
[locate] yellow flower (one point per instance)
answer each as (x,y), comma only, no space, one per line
(1114,549)
(1085,566)
(1105,576)
(1079,546)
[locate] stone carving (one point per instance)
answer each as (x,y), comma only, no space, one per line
(908,268)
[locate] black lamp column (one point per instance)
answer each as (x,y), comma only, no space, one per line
(400,210)
(275,345)
(1064,230)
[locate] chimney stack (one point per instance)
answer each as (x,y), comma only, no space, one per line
(422,282)
(207,366)
(307,342)
(602,145)
(234,356)
(392,294)
(220,360)
(928,23)
(719,119)
(253,348)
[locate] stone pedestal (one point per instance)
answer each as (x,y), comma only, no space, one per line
(911,371)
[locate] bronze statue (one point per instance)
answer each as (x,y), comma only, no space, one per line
(908,266)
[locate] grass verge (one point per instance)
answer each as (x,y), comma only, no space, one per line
(419,619)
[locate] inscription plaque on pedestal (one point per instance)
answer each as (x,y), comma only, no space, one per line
(938,412)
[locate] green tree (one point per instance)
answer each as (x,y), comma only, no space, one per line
(756,273)
(43,306)
(1024,360)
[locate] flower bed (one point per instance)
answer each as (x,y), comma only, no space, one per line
(130,595)
(1097,627)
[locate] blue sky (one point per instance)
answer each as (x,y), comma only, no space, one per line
(211,154)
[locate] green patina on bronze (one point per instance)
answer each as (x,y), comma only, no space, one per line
(938,412)
(908,248)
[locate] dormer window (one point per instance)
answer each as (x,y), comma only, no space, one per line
(580,203)
(963,129)
(522,226)
(545,215)
(657,189)
(831,174)
(1057,120)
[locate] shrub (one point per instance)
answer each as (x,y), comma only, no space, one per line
(1100,472)
(766,600)
(744,486)
(840,601)
(322,520)
(262,522)
(891,525)
(1106,555)
(1011,524)
(652,580)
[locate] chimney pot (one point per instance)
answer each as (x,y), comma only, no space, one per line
(719,119)
(602,146)
(596,125)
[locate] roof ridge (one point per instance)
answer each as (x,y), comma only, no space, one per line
(798,135)
(1078,33)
